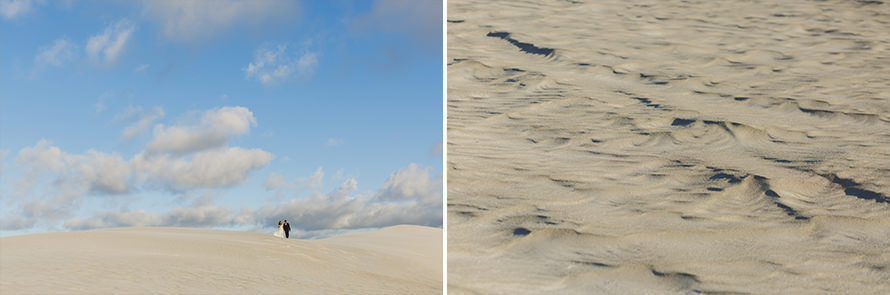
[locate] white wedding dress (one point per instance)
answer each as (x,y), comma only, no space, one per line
(280,232)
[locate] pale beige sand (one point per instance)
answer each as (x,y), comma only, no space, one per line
(394,260)
(668,147)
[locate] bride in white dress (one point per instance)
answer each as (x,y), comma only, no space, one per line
(280,232)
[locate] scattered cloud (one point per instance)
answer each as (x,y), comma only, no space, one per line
(347,187)
(194,154)
(220,167)
(62,179)
(247,216)
(409,196)
(91,172)
(45,210)
(334,142)
(311,182)
(411,183)
(202,213)
(274,181)
(100,107)
(141,119)
(16,222)
(214,129)
(399,202)
(106,47)
(114,219)
(141,68)
(60,52)
(273,65)
(188,21)
(12,9)
(307,63)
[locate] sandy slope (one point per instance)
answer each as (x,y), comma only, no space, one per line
(395,260)
(668,147)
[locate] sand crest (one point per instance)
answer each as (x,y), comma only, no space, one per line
(394,260)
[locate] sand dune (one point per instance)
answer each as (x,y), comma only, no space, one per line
(668,147)
(395,260)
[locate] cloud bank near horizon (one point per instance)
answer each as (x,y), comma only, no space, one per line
(196,155)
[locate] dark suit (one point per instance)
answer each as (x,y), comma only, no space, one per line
(287,230)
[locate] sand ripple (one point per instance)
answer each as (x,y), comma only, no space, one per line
(672,147)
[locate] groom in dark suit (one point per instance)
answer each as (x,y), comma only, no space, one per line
(286,229)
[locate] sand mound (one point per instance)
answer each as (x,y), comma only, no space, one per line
(395,260)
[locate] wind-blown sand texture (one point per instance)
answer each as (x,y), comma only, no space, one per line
(668,147)
(394,260)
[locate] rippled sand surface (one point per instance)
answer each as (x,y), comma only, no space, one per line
(668,147)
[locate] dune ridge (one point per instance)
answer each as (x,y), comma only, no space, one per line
(669,147)
(394,260)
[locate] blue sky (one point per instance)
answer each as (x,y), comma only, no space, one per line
(224,114)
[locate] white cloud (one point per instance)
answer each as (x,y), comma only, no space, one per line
(399,201)
(275,181)
(93,172)
(412,183)
(215,128)
(42,156)
(221,167)
(347,187)
(12,9)
(106,47)
(188,21)
(106,173)
(57,54)
(141,119)
(16,222)
(409,196)
(100,107)
(307,63)
(114,219)
(141,68)
(275,65)
(311,182)
(202,213)
(74,175)
(338,174)
(334,142)
(44,210)
(246,216)
(62,179)
(33,212)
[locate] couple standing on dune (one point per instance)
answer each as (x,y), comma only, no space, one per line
(283,230)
